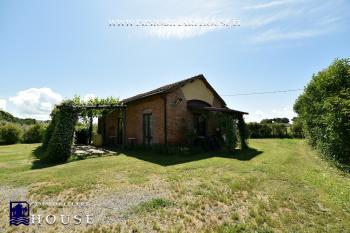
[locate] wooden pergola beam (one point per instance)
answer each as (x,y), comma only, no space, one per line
(97,106)
(101,107)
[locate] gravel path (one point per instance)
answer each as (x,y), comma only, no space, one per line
(106,206)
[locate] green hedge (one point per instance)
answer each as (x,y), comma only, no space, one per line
(324,110)
(262,130)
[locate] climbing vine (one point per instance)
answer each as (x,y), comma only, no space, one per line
(228,125)
(59,147)
(234,130)
(58,138)
(243,132)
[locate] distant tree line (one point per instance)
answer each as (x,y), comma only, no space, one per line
(6,117)
(275,120)
(275,128)
(14,129)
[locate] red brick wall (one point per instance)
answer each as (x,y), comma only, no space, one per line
(134,119)
(111,121)
(179,119)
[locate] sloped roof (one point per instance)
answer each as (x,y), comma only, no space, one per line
(225,109)
(170,87)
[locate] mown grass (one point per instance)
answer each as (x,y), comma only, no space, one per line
(282,185)
(152,205)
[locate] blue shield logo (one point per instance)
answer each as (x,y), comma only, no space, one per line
(19,213)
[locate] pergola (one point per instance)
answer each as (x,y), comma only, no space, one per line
(80,108)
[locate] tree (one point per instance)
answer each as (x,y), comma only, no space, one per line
(324,111)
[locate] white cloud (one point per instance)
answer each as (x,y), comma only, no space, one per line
(3,103)
(35,103)
(261,21)
(257,116)
(285,20)
(88,97)
(268,4)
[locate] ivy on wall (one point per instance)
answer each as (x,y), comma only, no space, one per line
(234,130)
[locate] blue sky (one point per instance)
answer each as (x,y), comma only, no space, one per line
(51,50)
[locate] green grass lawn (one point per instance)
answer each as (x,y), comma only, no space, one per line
(281,185)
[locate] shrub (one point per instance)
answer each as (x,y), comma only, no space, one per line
(11,133)
(34,134)
(324,110)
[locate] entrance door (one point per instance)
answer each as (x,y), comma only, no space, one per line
(147,132)
(200,125)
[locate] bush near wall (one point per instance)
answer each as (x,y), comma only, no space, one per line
(324,110)
(11,133)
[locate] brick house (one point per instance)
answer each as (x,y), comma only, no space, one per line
(165,115)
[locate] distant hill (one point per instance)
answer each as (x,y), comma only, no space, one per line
(8,117)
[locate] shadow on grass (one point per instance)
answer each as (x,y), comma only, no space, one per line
(157,158)
(38,153)
(169,160)
(40,163)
